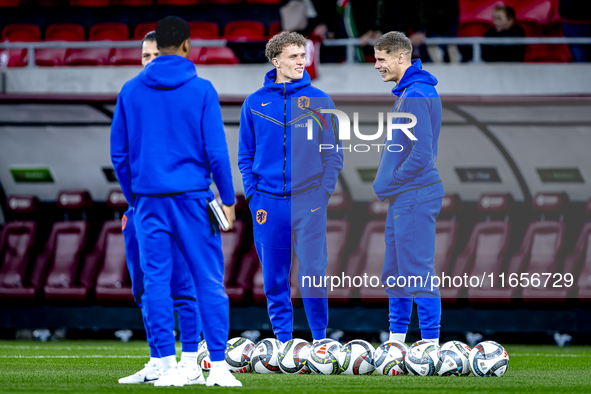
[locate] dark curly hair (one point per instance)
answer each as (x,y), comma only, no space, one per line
(171,32)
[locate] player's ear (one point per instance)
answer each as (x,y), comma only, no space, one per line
(186,47)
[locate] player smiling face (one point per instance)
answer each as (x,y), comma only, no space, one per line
(290,63)
(390,65)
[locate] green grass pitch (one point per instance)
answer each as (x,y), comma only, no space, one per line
(95,366)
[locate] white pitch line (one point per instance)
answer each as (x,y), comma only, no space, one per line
(93,356)
(547,355)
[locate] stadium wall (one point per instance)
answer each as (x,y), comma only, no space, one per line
(359,79)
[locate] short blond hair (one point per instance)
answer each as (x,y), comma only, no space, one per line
(279,42)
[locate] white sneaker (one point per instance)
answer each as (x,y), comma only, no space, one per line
(193,373)
(222,377)
(172,377)
(149,374)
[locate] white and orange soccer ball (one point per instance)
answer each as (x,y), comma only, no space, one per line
(238,353)
(293,357)
(389,358)
(489,358)
(324,358)
(356,358)
(265,357)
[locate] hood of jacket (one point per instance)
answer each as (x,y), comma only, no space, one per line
(168,72)
(414,74)
(290,88)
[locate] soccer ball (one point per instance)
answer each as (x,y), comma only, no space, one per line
(265,356)
(238,352)
(324,358)
(453,359)
(293,357)
(203,359)
(421,358)
(389,358)
(488,358)
(356,358)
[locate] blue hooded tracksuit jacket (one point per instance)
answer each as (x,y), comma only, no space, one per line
(288,181)
(167,140)
(408,178)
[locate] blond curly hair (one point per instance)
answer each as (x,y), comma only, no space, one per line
(284,39)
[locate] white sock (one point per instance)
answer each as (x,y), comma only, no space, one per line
(434,340)
(189,358)
(398,337)
(218,365)
(155,362)
(167,363)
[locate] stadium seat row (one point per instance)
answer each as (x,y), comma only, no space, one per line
(64,273)
(105,3)
(233,31)
(537,17)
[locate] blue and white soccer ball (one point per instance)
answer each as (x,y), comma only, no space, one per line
(488,358)
(453,359)
(238,354)
(293,357)
(203,359)
(324,358)
(421,358)
(265,357)
(356,358)
(389,358)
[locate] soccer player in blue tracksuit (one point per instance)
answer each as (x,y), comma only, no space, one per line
(167,138)
(288,181)
(408,178)
(182,287)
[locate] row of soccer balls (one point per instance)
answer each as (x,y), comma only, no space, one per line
(358,357)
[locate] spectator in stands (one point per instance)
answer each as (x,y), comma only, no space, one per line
(576,15)
(504,26)
(149,48)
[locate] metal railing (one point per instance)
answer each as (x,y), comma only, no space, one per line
(475,42)
(349,43)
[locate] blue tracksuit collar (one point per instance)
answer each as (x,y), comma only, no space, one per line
(290,88)
(413,74)
(168,72)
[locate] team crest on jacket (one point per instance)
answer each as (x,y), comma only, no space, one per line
(261,216)
(123,222)
(303,102)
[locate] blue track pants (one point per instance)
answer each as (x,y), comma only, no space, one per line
(410,252)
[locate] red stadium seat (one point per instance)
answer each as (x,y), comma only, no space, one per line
(178,2)
(217,55)
(262,1)
(133,3)
(486,248)
(274,29)
(58,32)
(89,3)
(113,283)
(142,29)
(221,2)
(126,57)
(369,256)
(446,232)
(548,54)
(98,56)
(16,244)
(64,252)
(476,17)
(9,3)
(245,31)
(581,257)
(540,252)
(533,15)
(20,32)
(204,30)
